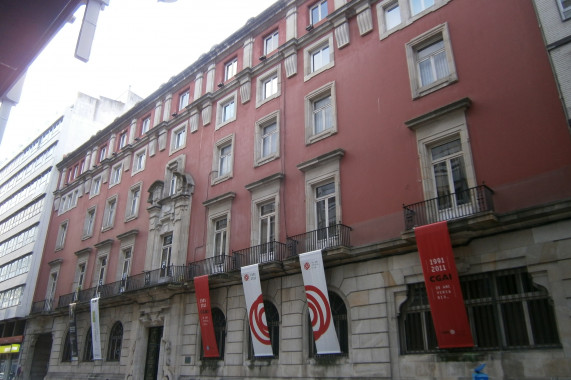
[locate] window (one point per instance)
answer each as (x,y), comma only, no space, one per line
(145,125)
(89,223)
(122,140)
(178,138)
(220,241)
(61,234)
(450,180)
(223,159)
(392,15)
(109,214)
(166,256)
(133,202)
(326,214)
(506,310)
(564,8)
(230,69)
(51,290)
(115,342)
(268,86)
(88,347)
(417,6)
(95,186)
(321,113)
(271,43)
(116,175)
(226,110)
(219,322)
(101,271)
(318,12)
(183,100)
(127,254)
(318,57)
(273,322)
(102,153)
(139,160)
(66,352)
(267,230)
(430,61)
(80,276)
(339,319)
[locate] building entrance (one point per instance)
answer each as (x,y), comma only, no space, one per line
(153,351)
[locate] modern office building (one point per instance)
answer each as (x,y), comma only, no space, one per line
(362,164)
(27,183)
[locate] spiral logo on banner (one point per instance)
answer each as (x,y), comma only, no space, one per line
(320,310)
(257,320)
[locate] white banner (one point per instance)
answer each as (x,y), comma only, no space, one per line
(256,313)
(318,303)
(95,336)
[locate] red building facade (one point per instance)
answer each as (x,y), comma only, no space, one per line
(334,126)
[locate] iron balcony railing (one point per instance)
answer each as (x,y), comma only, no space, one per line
(334,236)
(263,253)
(458,205)
(330,237)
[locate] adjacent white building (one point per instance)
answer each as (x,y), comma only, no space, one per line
(27,182)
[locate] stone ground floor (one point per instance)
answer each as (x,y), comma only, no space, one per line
(517,290)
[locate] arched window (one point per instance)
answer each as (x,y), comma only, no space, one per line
(66,355)
(273,321)
(88,347)
(339,319)
(219,323)
(115,341)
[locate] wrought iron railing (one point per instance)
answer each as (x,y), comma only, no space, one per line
(334,236)
(263,253)
(330,237)
(458,205)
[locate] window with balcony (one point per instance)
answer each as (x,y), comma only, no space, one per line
(80,275)
(101,270)
(166,253)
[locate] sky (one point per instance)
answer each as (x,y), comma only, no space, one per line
(138,44)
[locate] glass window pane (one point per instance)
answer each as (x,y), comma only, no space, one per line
(392,16)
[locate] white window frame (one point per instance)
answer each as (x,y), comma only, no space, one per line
(318,173)
(110,213)
(145,125)
(116,174)
(101,270)
(122,139)
(102,153)
(133,201)
(425,5)
(52,286)
(89,222)
(168,249)
(61,235)
(264,192)
(126,262)
(218,147)
(564,11)
(220,109)
(178,138)
(326,90)
(271,42)
(311,50)
(261,124)
(139,161)
(382,9)
(217,209)
(183,100)
(80,275)
(406,16)
(96,183)
(434,132)
(320,15)
(261,95)
(230,69)
(435,34)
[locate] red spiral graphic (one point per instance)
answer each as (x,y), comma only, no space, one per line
(320,310)
(257,321)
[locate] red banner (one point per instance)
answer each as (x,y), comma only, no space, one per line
(202,289)
(443,286)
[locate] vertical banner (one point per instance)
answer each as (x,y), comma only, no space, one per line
(95,336)
(256,312)
(443,286)
(73,333)
(318,303)
(209,345)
